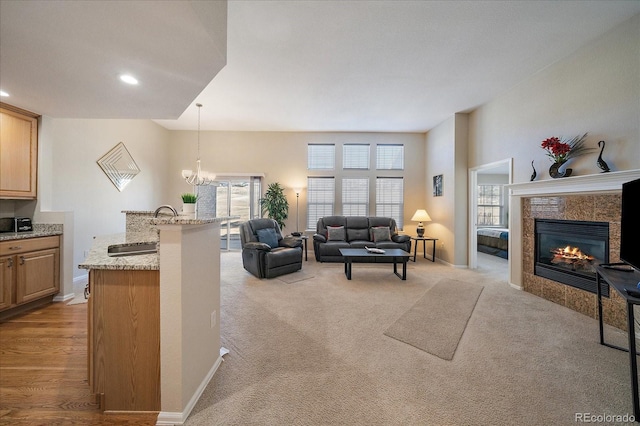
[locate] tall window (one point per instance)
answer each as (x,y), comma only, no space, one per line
(321,156)
(389,157)
(390,199)
(352,188)
(355,196)
(320,199)
(355,156)
(490,205)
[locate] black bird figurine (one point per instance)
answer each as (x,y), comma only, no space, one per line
(534,174)
(601,163)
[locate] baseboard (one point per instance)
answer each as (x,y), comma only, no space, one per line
(78,288)
(517,287)
(64,298)
(178,418)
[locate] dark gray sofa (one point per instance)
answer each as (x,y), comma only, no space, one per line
(358,233)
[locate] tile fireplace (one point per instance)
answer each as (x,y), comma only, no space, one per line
(590,198)
(568,251)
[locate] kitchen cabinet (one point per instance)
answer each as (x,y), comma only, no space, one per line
(123,320)
(30,271)
(18,153)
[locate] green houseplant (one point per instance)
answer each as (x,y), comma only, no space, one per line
(189,203)
(189,198)
(274,204)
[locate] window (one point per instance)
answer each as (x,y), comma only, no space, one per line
(490,205)
(355,197)
(349,188)
(355,156)
(390,157)
(390,199)
(320,199)
(321,157)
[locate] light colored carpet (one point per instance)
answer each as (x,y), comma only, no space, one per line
(436,322)
(315,353)
(295,277)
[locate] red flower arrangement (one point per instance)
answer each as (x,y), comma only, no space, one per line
(560,151)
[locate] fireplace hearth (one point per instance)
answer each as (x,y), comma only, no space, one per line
(568,251)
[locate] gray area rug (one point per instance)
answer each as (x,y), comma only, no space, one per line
(437,321)
(295,277)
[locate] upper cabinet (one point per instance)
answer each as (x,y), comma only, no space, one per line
(18,153)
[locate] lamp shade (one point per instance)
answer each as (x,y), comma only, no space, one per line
(421,216)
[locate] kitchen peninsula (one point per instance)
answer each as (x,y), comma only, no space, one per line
(154,327)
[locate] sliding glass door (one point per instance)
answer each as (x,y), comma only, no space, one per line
(231,197)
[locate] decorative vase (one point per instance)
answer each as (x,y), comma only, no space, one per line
(554,170)
(188,209)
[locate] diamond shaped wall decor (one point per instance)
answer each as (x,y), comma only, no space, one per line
(119,166)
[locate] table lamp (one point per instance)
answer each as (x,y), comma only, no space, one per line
(421,216)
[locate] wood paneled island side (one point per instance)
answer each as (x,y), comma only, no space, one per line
(153,319)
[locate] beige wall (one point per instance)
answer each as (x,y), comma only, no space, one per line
(282,157)
(73,182)
(440,160)
(78,184)
(595,90)
(446,154)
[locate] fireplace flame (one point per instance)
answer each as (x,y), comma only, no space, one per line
(569,254)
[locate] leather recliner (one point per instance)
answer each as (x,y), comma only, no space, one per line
(263,260)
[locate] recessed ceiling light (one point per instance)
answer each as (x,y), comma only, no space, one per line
(129,79)
(4,94)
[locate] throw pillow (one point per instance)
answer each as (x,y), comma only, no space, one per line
(268,236)
(336,233)
(381,233)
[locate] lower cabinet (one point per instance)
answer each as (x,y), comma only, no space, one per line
(30,270)
(124,339)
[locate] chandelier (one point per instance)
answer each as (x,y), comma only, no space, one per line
(198,178)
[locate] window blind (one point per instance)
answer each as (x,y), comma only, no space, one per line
(355,197)
(389,157)
(321,156)
(390,199)
(355,156)
(490,205)
(320,199)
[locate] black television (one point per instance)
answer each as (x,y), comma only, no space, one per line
(630,224)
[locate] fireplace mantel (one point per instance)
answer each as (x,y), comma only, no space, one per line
(611,181)
(596,183)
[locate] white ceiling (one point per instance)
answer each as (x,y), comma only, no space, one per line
(398,66)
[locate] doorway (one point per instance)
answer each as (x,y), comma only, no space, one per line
(492,175)
(238,196)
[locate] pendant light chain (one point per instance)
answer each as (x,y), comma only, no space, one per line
(199,177)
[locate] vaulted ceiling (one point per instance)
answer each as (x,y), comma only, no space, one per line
(399,66)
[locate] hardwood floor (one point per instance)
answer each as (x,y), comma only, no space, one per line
(43,371)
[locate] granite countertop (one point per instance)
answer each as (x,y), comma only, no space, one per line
(36,233)
(186,220)
(98,258)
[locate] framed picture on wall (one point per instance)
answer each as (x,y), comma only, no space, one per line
(437,186)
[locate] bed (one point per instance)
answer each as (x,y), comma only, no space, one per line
(494,241)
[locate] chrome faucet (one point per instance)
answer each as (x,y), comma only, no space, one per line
(165,206)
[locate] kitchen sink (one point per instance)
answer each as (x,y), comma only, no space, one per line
(132,249)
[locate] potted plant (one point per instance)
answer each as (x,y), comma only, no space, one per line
(274,204)
(189,203)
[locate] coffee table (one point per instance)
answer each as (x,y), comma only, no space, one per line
(398,256)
